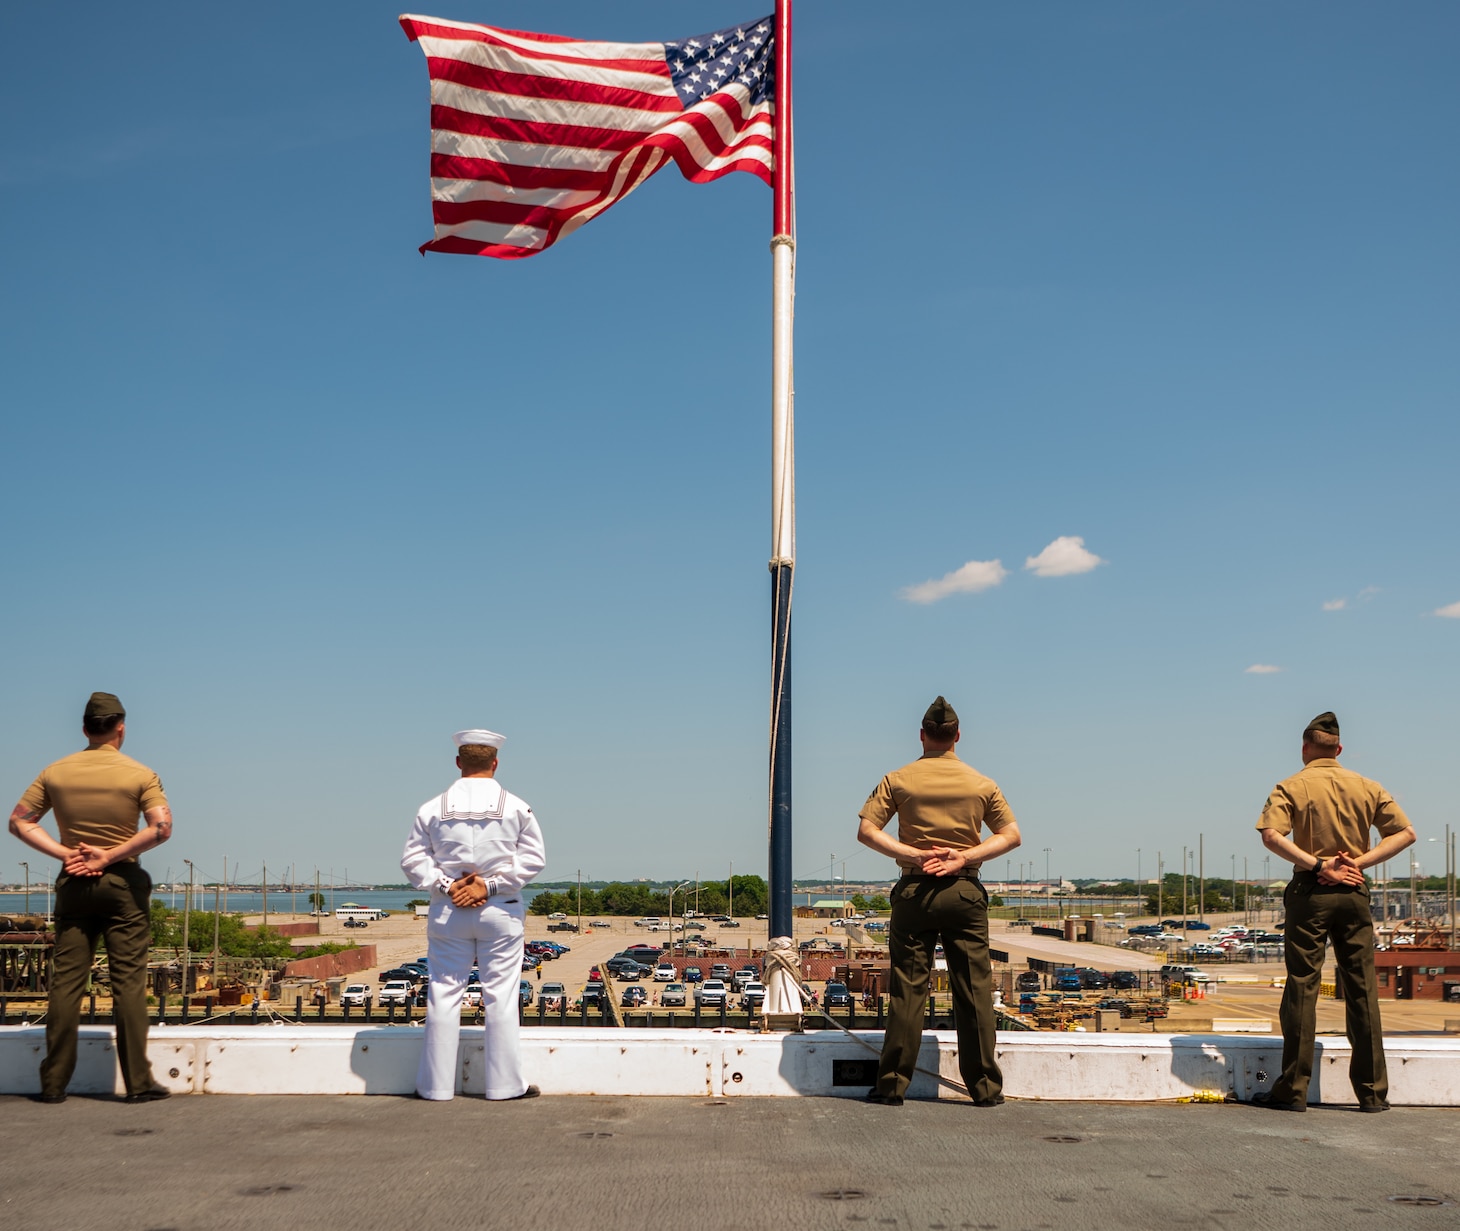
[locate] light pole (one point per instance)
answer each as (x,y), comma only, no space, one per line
(1048,893)
(26,866)
(1184,904)
(672,892)
(1137,910)
(187,912)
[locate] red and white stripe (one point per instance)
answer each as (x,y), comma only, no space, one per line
(532,135)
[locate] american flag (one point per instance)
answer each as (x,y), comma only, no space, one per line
(534,134)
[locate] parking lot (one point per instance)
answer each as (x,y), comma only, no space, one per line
(1241,990)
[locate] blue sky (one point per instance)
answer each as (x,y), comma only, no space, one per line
(1177,281)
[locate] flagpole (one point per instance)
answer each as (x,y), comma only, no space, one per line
(783,484)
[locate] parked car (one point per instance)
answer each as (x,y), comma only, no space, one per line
(735,923)
(1125,980)
(693,974)
(629,974)
(1068,981)
(397,991)
(616,964)
(752,996)
(398,973)
(593,994)
(1027,981)
(531,961)
(552,995)
(664,972)
(356,923)
(1093,980)
(711,991)
(673,996)
(644,953)
(634,996)
(557,914)
(562,926)
(358,994)
(837,996)
(720,971)
(746,974)
(524,992)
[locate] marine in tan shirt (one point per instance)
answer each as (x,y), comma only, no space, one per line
(943,806)
(1319,821)
(940,801)
(1329,810)
(108,810)
(98,795)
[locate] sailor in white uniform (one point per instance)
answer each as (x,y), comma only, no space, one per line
(474,847)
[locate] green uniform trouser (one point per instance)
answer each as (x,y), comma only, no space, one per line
(1316,914)
(955,910)
(115,905)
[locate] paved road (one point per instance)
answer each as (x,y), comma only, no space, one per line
(215,1163)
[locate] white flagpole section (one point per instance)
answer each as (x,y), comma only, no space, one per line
(783,402)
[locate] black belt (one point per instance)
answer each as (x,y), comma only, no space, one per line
(928,876)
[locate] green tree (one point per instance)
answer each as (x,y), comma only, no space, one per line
(859,902)
(316,901)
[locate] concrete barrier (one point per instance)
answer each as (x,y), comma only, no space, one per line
(286,1059)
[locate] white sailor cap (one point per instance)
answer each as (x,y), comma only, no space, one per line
(488,738)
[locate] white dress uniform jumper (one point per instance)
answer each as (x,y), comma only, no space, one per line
(474,826)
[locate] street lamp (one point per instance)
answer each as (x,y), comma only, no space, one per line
(1048,892)
(26,866)
(187,913)
(672,892)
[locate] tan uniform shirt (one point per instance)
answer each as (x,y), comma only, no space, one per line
(98,795)
(939,801)
(1326,809)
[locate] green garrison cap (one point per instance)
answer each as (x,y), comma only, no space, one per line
(941,718)
(1326,721)
(104,705)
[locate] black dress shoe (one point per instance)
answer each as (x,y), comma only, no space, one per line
(530,1092)
(884,1100)
(1381,1105)
(1266,1100)
(996,1101)
(43,1097)
(152,1094)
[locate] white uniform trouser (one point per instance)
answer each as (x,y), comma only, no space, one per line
(490,937)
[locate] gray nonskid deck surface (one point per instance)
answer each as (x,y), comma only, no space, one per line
(207,1164)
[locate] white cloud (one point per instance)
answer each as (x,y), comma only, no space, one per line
(1064,557)
(1368,592)
(1335,604)
(1261,669)
(974,576)
(1452,612)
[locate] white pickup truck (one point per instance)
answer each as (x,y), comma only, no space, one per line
(397,991)
(711,991)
